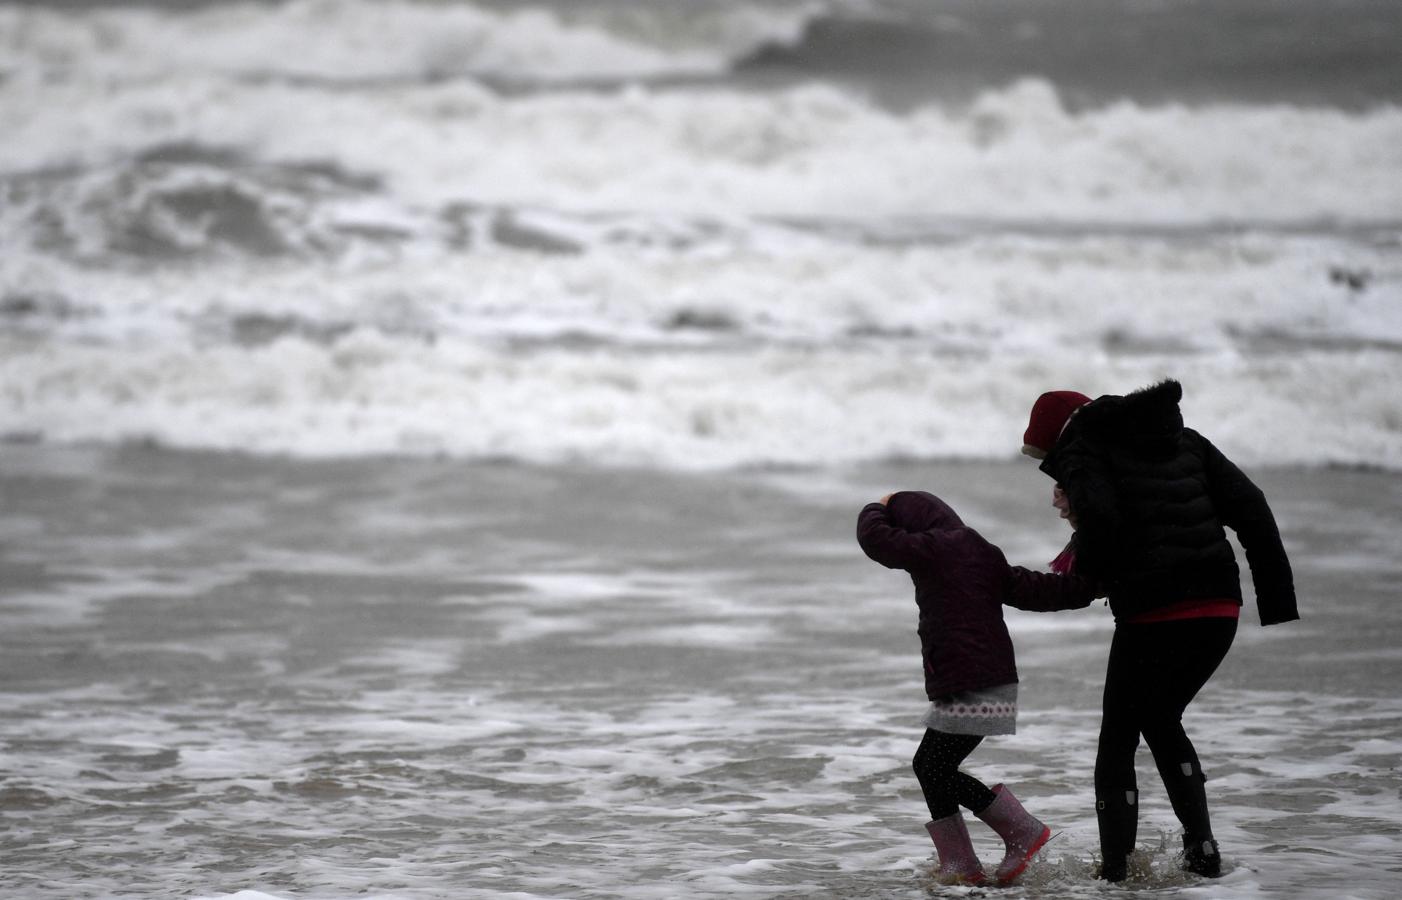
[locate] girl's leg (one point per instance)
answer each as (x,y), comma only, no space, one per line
(946,788)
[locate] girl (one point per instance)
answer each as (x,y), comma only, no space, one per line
(961,584)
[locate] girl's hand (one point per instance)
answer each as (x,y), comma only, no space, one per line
(887,499)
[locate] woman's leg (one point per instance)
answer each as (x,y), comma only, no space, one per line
(1116,790)
(1154,673)
(1187,654)
(1125,690)
(946,788)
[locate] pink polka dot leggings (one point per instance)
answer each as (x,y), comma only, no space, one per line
(946,788)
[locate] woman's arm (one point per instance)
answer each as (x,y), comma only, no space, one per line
(1242,507)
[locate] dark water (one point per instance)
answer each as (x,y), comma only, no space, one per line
(436,679)
(421,678)
(1337,53)
(1346,54)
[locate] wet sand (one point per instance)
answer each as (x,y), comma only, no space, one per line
(418,679)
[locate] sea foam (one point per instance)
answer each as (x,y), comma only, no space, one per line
(742,353)
(359,248)
(338,41)
(1017,155)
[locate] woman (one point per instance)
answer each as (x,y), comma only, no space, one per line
(1150,501)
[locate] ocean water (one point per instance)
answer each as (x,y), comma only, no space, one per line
(696,234)
(231,676)
(430,432)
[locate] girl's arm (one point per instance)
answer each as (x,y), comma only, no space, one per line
(1044,592)
(891,545)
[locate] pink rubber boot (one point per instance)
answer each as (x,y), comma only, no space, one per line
(958,862)
(1023,834)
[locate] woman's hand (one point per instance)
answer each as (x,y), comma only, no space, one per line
(886,499)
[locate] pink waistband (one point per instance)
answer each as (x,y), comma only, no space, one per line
(1189,609)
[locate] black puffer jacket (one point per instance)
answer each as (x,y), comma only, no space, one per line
(1152,500)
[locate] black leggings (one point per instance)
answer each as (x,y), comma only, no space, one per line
(937,766)
(1155,671)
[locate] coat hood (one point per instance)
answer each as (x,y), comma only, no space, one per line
(1146,421)
(922,511)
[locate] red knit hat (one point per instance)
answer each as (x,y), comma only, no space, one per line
(1049,416)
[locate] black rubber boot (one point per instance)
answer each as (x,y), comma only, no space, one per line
(1187,792)
(1201,857)
(1118,817)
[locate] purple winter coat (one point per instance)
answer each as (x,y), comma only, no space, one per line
(961,584)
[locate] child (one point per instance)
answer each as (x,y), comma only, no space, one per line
(961,584)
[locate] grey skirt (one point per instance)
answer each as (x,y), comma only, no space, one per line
(984,711)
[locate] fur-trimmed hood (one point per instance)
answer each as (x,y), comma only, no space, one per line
(1147,420)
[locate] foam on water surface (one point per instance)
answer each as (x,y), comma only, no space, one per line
(346,42)
(372,245)
(745,355)
(733,700)
(704,265)
(1018,155)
